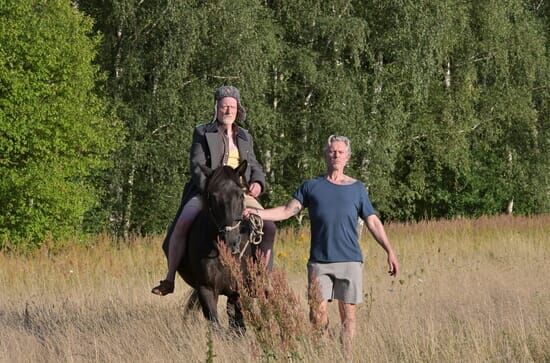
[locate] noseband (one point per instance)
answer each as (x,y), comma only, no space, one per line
(225,229)
(256,226)
(229,228)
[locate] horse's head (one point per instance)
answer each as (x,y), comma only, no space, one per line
(224,194)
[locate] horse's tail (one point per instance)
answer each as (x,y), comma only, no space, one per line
(192,303)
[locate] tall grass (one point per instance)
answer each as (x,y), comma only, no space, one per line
(470,290)
(271,309)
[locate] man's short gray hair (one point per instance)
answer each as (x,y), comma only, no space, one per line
(333,138)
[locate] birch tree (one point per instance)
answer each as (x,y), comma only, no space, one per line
(55,133)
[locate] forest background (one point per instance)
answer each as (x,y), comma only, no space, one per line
(447,104)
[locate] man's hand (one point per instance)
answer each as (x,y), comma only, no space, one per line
(377,229)
(255,189)
(248,211)
(393,264)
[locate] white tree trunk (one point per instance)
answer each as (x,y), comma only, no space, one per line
(129,203)
(510,207)
(448,75)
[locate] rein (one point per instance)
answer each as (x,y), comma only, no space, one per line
(256,234)
(256,230)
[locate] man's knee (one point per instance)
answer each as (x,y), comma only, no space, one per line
(180,228)
(269,231)
(318,314)
(347,313)
(268,238)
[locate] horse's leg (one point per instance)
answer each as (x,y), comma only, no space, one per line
(209,304)
(234,312)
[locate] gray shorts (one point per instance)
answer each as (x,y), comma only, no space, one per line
(338,280)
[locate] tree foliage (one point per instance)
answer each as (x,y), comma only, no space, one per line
(446,103)
(53,132)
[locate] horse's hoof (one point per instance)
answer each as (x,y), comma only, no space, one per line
(166,287)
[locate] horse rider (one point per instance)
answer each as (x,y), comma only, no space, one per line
(220,142)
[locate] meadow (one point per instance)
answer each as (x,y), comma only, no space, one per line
(469,291)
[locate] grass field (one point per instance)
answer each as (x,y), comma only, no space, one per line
(469,291)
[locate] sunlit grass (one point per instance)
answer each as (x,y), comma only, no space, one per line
(469,290)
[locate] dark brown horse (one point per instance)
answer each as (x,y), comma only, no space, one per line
(220,221)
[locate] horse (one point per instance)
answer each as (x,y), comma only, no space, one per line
(219,222)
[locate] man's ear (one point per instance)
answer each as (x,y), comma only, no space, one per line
(206,170)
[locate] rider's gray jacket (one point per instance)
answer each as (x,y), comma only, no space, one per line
(209,147)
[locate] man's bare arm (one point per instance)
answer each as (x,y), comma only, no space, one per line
(279,213)
(377,230)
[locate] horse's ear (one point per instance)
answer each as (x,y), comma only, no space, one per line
(206,170)
(241,169)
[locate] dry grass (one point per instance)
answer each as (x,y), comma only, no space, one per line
(470,290)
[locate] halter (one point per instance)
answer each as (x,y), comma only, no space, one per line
(224,229)
(229,228)
(256,228)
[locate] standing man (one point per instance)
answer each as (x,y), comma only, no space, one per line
(220,142)
(335,201)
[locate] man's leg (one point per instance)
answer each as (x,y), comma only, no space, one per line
(178,240)
(348,291)
(320,288)
(318,314)
(348,319)
(268,240)
(176,246)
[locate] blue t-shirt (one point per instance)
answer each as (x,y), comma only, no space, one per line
(333,211)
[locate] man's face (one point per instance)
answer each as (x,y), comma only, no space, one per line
(227,111)
(337,155)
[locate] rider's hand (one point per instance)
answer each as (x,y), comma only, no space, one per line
(255,189)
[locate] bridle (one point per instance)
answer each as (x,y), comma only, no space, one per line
(223,230)
(254,237)
(226,228)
